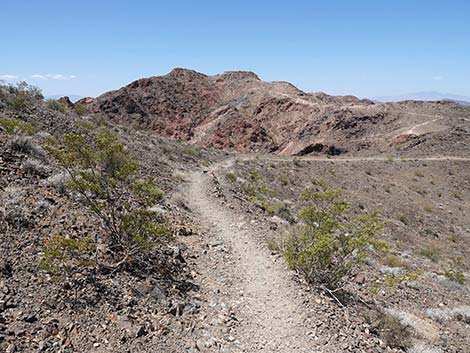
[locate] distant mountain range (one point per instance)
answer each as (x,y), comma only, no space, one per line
(424,96)
(72,97)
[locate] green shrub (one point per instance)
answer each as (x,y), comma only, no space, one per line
(455,273)
(283,180)
(231,177)
(61,255)
(80,109)
(326,245)
(14,126)
(22,96)
(103,173)
(431,252)
(56,105)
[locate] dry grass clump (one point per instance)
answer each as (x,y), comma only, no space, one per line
(424,348)
(15,211)
(391,330)
(25,145)
(59,182)
(34,166)
(442,315)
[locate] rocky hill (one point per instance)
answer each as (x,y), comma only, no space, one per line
(238,111)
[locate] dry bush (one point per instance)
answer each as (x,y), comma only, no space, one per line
(442,315)
(391,329)
(33,166)
(24,145)
(424,348)
(59,182)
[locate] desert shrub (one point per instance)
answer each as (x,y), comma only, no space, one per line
(25,145)
(328,244)
(56,105)
(62,255)
(421,347)
(33,166)
(459,313)
(14,126)
(392,331)
(80,109)
(104,174)
(192,151)
(59,182)
(231,177)
(455,272)
(403,219)
(15,210)
(431,252)
(283,180)
(22,96)
(394,261)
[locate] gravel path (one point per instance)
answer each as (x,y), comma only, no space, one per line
(272,319)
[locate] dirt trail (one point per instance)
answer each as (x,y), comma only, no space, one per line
(271,312)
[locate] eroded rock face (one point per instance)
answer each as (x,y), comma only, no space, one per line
(238,111)
(66,101)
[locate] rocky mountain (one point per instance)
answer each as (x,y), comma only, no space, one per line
(238,111)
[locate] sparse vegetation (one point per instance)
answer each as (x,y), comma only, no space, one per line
(231,177)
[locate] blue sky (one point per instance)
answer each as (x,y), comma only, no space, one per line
(366,48)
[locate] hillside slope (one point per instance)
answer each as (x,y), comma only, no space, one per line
(238,111)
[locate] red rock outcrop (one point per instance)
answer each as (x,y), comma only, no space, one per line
(238,111)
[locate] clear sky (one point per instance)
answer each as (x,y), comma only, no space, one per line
(361,47)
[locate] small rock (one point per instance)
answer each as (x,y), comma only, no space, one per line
(30,318)
(360,279)
(140,331)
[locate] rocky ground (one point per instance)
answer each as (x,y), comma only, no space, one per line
(220,284)
(147,309)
